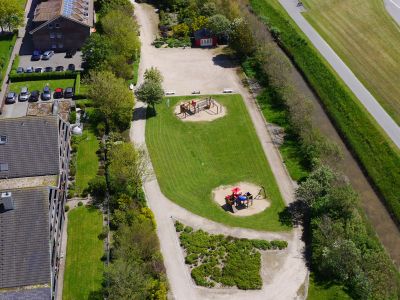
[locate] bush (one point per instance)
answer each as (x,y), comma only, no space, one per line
(104,233)
(42,76)
(72,117)
(80,203)
(179,226)
(66,208)
(97,187)
(279,244)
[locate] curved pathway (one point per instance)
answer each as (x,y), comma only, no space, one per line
(365,97)
(289,278)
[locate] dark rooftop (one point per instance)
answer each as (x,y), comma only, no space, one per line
(31,147)
(25,240)
(28,294)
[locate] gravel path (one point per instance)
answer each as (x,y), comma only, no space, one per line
(365,97)
(290,276)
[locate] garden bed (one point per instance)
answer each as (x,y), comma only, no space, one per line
(224,261)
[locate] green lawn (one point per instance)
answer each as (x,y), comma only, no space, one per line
(191,159)
(6,46)
(87,161)
(317,291)
(84,268)
(40,84)
(366,37)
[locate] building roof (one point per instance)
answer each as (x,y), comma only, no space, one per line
(25,239)
(203,34)
(27,294)
(30,148)
(77,10)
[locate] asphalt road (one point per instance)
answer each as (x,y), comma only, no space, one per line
(365,97)
(393,8)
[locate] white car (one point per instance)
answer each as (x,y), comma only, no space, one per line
(47,55)
(170,92)
(24,94)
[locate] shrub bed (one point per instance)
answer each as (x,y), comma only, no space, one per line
(372,147)
(227,261)
(43,76)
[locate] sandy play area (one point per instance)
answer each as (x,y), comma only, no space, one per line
(260,203)
(199,110)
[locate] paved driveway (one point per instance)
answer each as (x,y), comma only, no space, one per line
(393,8)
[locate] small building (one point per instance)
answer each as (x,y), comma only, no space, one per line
(205,38)
(62,25)
(34,165)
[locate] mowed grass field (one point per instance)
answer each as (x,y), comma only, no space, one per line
(84,268)
(366,37)
(192,158)
(87,161)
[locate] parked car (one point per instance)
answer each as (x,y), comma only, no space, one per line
(58,93)
(59,69)
(36,55)
(24,94)
(70,53)
(47,55)
(38,70)
(48,69)
(11,98)
(69,92)
(46,94)
(20,70)
(29,70)
(34,96)
(71,67)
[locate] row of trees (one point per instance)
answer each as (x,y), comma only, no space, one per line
(115,45)
(343,249)
(11,15)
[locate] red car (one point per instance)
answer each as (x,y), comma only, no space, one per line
(58,93)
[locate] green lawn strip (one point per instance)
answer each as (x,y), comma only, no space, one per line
(6,46)
(193,158)
(290,149)
(367,39)
(228,261)
(372,147)
(84,268)
(87,161)
(40,84)
(318,291)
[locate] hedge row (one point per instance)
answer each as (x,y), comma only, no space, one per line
(378,156)
(43,76)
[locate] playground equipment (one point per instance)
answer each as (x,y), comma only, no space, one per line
(192,107)
(238,199)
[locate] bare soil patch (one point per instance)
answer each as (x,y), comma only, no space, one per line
(260,203)
(199,110)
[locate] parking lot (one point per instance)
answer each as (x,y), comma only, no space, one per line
(58,59)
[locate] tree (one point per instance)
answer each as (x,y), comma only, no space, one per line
(219,25)
(199,22)
(181,30)
(11,14)
(151,92)
(96,51)
(241,38)
(112,97)
(153,74)
(97,187)
(105,6)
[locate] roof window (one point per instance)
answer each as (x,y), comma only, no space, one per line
(3,167)
(3,139)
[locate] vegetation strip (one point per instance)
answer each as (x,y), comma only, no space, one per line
(376,153)
(224,261)
(191,159)
(84,269)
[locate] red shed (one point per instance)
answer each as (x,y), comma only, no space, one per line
(205,38)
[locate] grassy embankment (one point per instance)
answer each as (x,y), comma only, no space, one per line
(191,159)
(84,268)
(366,37)
(379,157)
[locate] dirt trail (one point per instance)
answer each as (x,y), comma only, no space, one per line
(291,275)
